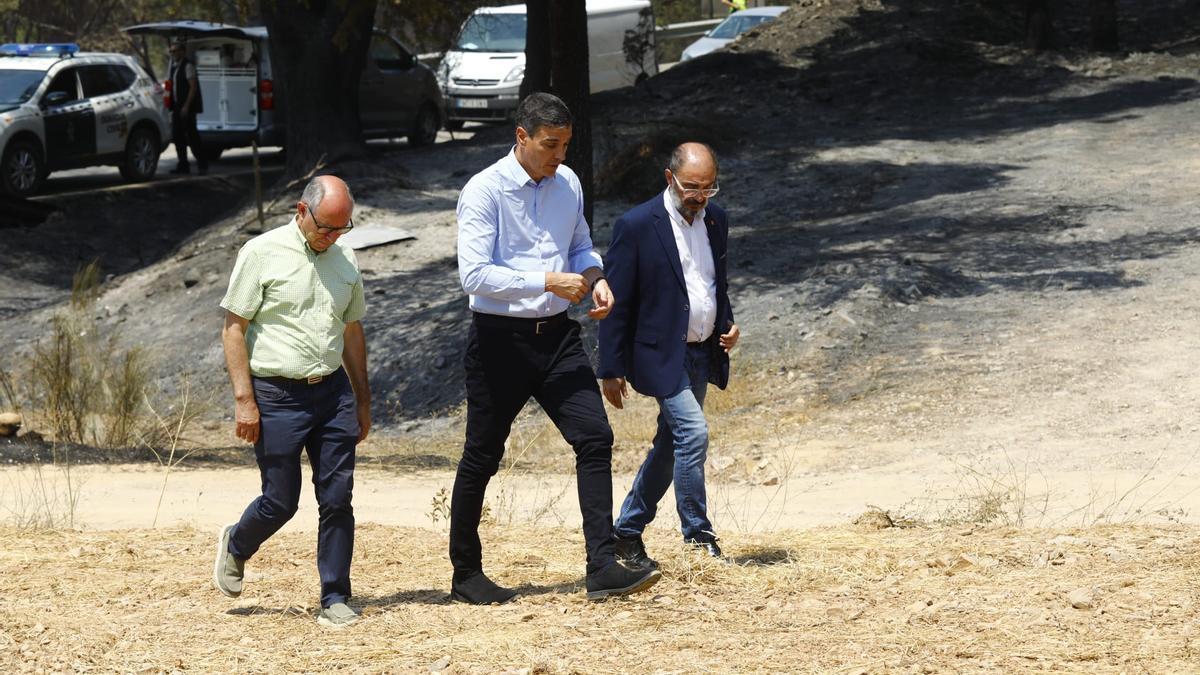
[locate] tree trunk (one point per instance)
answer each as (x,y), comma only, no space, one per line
(1039,25)
(537,47)
(318,51)
(571,82)
(1104,26)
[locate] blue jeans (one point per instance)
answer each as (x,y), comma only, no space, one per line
(678,453)
(322,419)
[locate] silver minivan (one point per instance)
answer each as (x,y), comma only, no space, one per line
(398,96)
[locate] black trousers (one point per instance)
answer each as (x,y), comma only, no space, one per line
(183,128)
(506,364)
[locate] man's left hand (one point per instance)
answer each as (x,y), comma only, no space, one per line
(602,300)
(728,340)
(364,421)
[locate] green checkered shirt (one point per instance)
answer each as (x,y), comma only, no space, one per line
(298,302)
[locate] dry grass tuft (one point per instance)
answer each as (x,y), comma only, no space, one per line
(822,600)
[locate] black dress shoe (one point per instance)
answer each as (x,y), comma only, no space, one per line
(709,548)
(632,552)
(477,589)
(617,579)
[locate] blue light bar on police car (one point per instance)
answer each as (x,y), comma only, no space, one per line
(39,49)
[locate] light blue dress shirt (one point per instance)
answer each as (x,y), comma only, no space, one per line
(512,231)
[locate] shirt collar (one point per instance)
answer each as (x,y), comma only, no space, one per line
(516,174)
(298,237)
(676,216)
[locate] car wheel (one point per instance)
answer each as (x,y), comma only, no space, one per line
(425,128)
(21,168)
(141,156)
(454,125)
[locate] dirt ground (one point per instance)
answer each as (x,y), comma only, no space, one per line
(846,599)
(965,278)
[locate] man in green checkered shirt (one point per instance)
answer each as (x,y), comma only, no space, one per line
(297,358)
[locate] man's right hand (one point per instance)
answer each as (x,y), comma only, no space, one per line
(614,390)
(246,414)
(567,285)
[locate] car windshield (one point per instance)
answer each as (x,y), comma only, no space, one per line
(17,86)
(737,24)
(493,33)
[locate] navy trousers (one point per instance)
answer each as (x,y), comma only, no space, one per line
(321,419)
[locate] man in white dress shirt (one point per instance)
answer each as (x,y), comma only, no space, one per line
(669,337)
(524,255)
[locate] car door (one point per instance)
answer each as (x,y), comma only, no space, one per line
(70,121)
(383,94)
(102,86)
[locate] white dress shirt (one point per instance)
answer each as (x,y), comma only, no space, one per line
(699,271)
(512,231)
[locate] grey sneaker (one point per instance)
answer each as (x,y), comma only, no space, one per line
(227,570)
(337,615)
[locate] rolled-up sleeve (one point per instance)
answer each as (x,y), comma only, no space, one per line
(478,225)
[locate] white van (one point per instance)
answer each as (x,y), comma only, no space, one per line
(481,75)
(398,96)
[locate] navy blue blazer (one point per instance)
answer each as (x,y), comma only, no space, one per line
(644,338)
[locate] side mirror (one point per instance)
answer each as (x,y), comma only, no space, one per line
(410,61)
(54,98)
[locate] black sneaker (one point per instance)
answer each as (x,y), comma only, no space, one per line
(708,547)
(617,579)
(477,589)
(632,552)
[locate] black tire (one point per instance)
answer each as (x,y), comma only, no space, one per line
(141,156)
(454,125)
(22,168)
(425,127)
(210,153)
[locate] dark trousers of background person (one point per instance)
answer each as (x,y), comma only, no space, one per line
(507,362)
(320,418)
(183,128)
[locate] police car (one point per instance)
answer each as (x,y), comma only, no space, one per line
(63,109)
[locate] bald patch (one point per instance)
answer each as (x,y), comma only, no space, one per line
(695,156)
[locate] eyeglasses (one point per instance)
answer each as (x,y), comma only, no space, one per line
(696,192)
(325,229)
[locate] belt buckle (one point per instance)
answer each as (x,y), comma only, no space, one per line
(537,327)
(315,379)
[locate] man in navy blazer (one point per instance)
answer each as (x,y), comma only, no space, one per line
(669,336)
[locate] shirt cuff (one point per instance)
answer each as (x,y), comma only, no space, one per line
(535,282)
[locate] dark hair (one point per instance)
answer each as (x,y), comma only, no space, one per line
(679,156)
(542,110)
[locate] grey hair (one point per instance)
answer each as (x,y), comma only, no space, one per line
(542,110)
(314,192)
(679,156)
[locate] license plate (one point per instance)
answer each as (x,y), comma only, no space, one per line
(472,102)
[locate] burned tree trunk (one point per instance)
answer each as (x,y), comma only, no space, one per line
(571,81)
(318,51)
(1104,26)
(537,47)
(1039,25)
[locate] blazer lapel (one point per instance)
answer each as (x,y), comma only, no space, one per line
(714,242)
(662,228)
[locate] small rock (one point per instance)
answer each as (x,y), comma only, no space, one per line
(439,665)
(439,362)
(190,281)
(1082,598)
(10,422)
(773,480)
(30,436)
